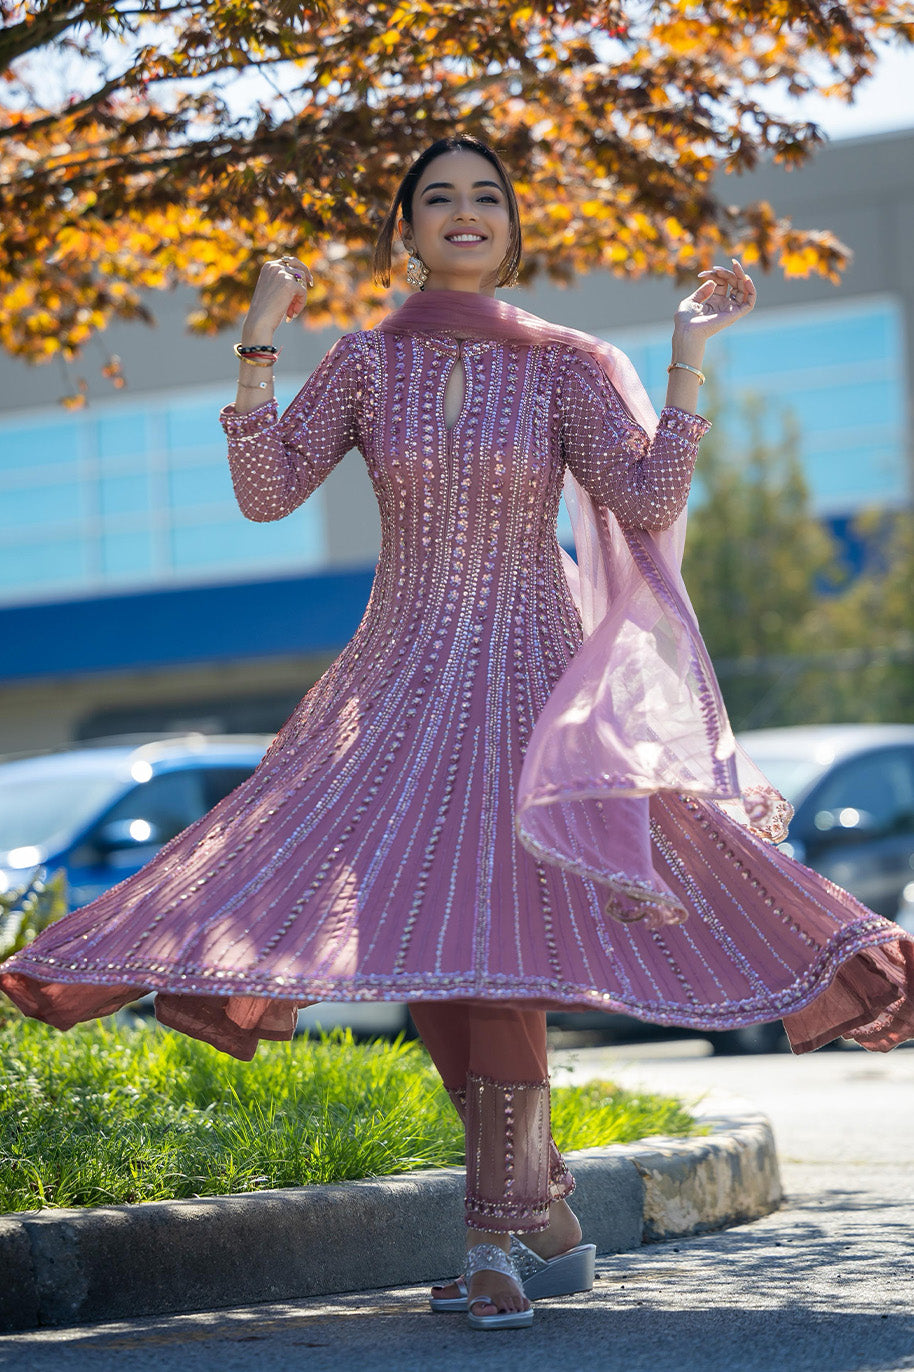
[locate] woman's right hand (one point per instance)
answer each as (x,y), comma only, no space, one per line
(280,294)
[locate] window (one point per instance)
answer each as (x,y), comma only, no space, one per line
(167,802)
(837,371)
(218,782)
(132,493)
(878,785)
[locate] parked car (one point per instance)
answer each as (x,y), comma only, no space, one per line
(852,790)
(101,812)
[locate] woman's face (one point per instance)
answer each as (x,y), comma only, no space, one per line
(461,224)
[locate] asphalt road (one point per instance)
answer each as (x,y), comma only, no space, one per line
(824,1285)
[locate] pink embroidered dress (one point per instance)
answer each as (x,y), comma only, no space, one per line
(374,854)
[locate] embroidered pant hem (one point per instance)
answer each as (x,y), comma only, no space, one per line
(492,1060)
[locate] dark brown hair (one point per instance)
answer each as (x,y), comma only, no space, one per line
(403,204)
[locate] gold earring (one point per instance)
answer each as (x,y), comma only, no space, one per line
(417,272)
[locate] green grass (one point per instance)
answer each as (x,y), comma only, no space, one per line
(107,1114)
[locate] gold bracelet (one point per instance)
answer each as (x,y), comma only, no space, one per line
(684,366)
(252,362)
(255,385)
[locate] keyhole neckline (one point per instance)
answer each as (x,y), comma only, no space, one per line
(457,410)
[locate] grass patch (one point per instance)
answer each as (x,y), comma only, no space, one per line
(107,1114)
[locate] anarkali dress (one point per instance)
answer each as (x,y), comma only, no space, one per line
(516,782)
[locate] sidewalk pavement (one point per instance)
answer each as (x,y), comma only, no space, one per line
(84,1266)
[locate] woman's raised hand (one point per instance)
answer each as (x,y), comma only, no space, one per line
(725,295)
(280,294)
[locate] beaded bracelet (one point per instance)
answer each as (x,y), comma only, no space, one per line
(257,357)
(684,366)
(257,348)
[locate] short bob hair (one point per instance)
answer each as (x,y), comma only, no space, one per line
(403,204)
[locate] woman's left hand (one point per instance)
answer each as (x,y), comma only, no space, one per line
(726,294)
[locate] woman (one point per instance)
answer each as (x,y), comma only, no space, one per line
(410,834)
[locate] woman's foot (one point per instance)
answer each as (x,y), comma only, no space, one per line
(563,1233)
(505,1295)
(449,1291)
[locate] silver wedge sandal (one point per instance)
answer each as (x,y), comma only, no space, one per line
(559,1276)
(540,1277)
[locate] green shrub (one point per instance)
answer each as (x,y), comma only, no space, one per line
(24,912)
(108,1113)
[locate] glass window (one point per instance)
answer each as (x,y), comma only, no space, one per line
(856,404)
(152,505)
(39,810)
(564,532)
(194,424)
(51,562)
(168,803)
(880,785)
(218,782)
(834,374)
(59,502)
(122,434)
(208,484)
(127,553)
(769,345)
(235,542)
(846,480)
(38,443)
(124,493)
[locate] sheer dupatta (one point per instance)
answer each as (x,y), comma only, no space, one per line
(638,710)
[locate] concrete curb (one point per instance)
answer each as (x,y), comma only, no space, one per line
(63,1267)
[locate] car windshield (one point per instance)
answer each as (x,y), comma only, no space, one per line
(36,810)
(788,774)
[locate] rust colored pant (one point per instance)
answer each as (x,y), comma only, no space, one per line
(492,1060)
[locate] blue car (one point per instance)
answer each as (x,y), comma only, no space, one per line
(101,812)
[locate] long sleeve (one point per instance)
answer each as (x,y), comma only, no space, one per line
(277,463)
(645,483)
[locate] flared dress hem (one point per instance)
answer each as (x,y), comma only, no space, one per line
(215,1007)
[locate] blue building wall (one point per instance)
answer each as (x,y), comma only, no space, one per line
(835,373)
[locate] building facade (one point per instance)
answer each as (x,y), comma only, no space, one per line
(134,597)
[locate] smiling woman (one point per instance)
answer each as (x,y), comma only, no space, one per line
(516,787)
(456,213)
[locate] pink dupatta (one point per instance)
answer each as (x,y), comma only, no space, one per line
(638,710)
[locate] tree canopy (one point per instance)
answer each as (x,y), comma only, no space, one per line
(171,143)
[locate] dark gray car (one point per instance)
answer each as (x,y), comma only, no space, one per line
(852,789)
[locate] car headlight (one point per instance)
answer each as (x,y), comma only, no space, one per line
(16,878)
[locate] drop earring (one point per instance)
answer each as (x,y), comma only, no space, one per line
(417,272)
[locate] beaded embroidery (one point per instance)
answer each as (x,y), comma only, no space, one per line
(372,855)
